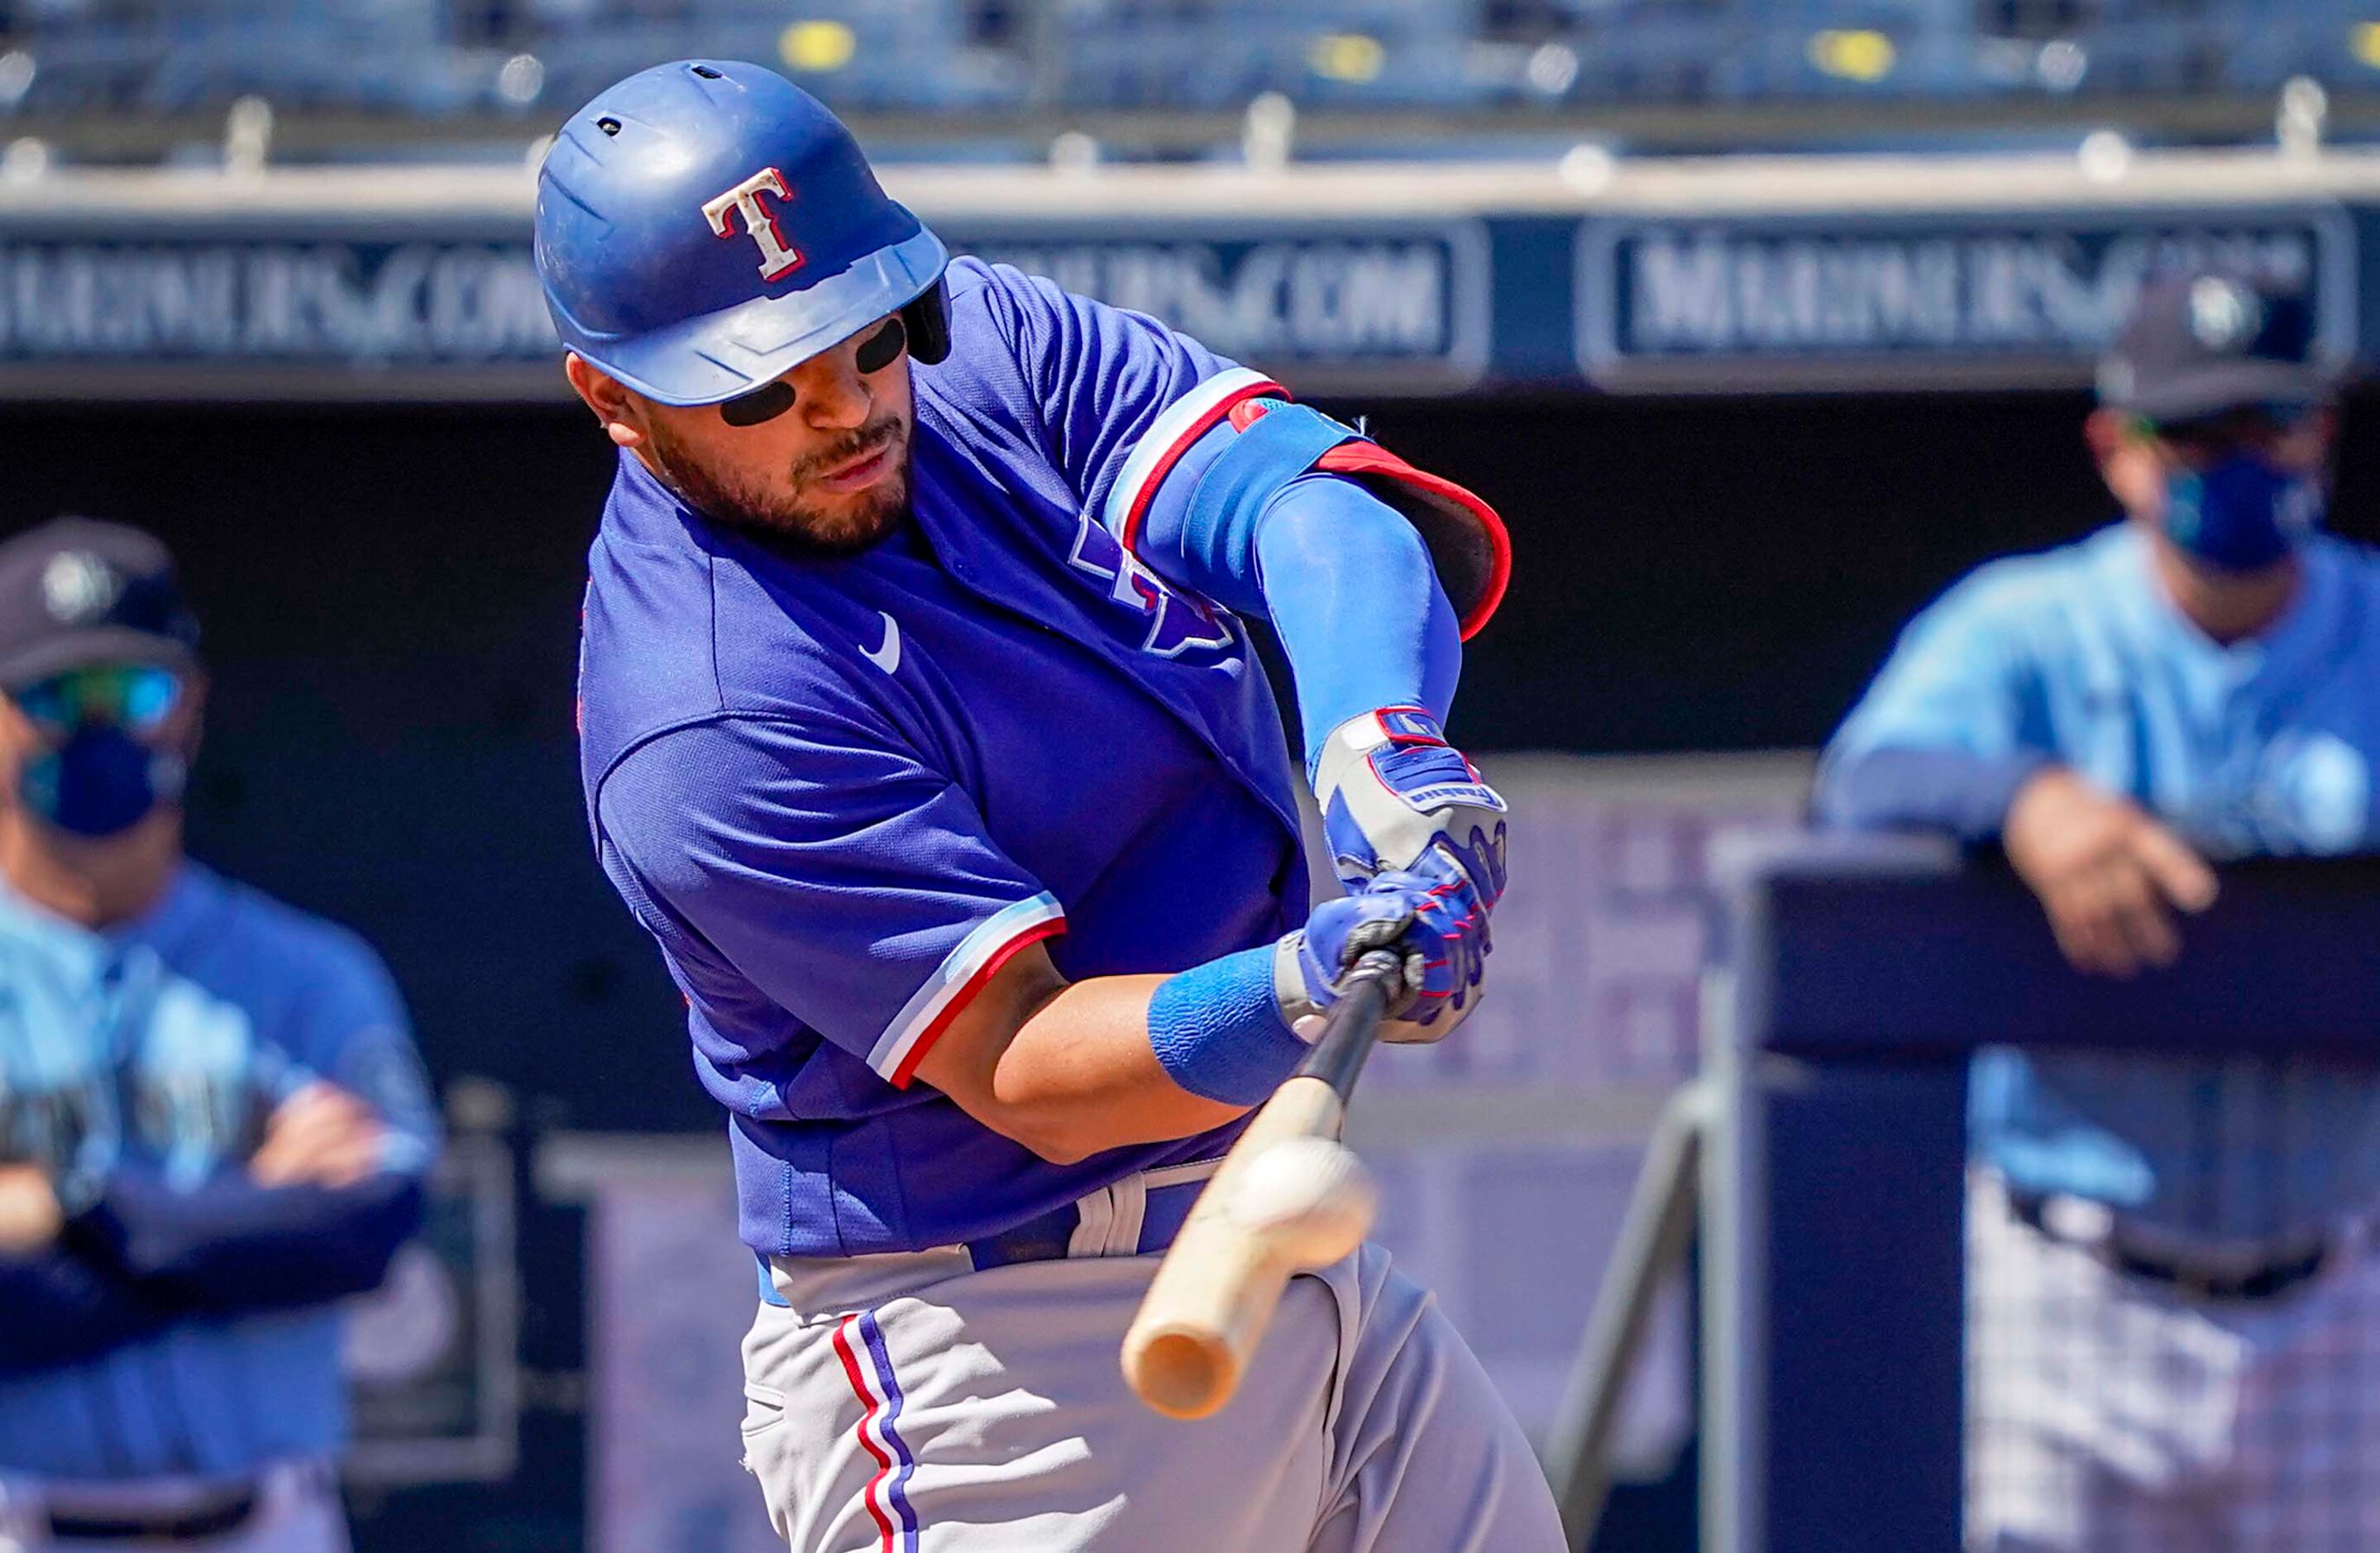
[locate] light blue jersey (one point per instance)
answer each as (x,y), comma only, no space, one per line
(164,1044)
(2266,747)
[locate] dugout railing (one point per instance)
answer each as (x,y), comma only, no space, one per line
(1820,1159)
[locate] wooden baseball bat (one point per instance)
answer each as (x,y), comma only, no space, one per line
(1214,1293)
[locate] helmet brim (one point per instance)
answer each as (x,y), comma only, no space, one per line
(717,356)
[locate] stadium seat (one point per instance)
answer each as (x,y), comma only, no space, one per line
(947,57)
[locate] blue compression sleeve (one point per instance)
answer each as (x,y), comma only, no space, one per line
(1355,599)
(1967,795)
(233,1246)
(62,1310)
(1216,1028)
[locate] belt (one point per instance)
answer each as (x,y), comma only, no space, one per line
(218,1514)
(1135,1216)
(2289,1264)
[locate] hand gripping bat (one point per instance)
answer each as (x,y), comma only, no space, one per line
(1289,1198)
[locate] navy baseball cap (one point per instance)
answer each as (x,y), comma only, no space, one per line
(75,591)
(2206,341)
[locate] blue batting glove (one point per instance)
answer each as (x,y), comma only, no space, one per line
(1432,914)
(1393,791)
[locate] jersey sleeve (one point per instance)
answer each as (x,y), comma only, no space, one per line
(1180,452)
(1949,728)
(1122,399)
(354,1032)
(825,865)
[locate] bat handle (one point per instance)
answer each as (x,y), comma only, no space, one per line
(1369,994)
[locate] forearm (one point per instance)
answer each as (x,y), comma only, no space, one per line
(1076,1075)
(1967,795)
(56,1309)
(1352,592)
(232,1245)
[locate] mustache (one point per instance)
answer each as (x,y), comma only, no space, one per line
(870,437)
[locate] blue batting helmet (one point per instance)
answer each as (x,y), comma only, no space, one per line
(702,228)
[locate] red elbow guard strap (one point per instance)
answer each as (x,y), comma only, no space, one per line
(1202,490)
(1465,537)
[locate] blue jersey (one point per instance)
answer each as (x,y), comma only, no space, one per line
(841,793)
(2265,746)
(164,1044)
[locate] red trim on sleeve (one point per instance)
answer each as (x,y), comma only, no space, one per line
(1032,933)
(1370,459)
(1183,443)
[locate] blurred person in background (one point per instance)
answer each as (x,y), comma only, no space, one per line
(2171,1289)
(212,1124)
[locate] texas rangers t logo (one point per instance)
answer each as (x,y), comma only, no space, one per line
(777,256)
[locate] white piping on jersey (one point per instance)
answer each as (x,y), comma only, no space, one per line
(1109,1221)
(1181,1175)
(1176,419)
(949,979)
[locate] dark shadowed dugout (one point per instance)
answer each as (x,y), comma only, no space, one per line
(391,601)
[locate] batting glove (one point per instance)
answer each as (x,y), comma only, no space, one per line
(1393,792)
(1431,913)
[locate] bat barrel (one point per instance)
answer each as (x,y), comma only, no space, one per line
(1214,1293)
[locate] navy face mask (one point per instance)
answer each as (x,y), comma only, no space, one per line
(2241,514)
(100,781)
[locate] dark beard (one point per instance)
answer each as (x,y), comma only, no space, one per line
(788,522)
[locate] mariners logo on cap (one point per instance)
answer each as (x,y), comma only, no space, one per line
(2224,314)
(78,586)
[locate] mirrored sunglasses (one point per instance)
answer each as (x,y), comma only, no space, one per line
(138,697)
(877,352)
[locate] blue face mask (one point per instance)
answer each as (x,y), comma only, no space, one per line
(2240,515)
(100,781)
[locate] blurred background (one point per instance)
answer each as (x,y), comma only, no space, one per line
(1761,320)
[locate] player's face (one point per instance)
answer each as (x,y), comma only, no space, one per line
(817,460)
(2135,459)
(52,724)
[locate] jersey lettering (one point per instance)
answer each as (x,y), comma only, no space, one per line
(1177,623)
(777,256)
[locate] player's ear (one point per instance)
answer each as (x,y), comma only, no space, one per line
(18,740)
(2104,431)
(192,711)
(2127,463)
(608,397)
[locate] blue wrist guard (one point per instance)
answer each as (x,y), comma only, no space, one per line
(1219,1032)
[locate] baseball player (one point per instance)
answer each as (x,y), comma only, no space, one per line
(921,728)
(212,1121)
(2171,1288)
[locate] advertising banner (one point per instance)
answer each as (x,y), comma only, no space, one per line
(1770,302)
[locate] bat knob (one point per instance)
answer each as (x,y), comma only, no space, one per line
(1184,1374)
(1310,1199)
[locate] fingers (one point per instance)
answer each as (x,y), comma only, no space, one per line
(1444,927)
(2114,920)
(30,1214)
(2180,874)
(334,1163)
(2077,918)
(322,1135)
(2140,923)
